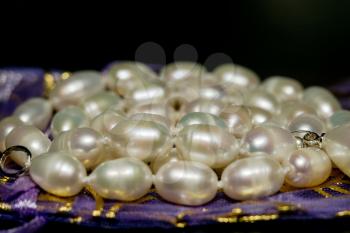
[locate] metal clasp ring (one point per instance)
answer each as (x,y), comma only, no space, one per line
(4,155)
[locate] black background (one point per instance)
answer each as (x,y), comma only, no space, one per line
(307,40)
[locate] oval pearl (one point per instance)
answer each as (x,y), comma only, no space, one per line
(214,92)
(322,100)
(207,144)
(7,124)
(308,123)
(98,103)
(158,108)
(159,161)
(58,173)
(307,167)
(73,90)
(339,118)
(274,141)
(186,183)
(337,145)
(200,118)
(204,105)
(30,137)
(262,99)
(283,88)
(35,111)
(68,118)
(147,93)
(292,109)
(143,140)
(259,116)
(252,178)
(238,120)
(239,76)
(104,122)
(86,144)
(151,117)
(124,179)
(180,73)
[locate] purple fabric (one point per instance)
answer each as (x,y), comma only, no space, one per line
(22,199)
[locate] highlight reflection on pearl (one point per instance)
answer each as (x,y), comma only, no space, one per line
(7,124)
(252,178)
(124,179)
(283,88)
(186,183)
(292,109)
(151,117)
(308,123)
(262,99)
(196,118)
(259,116)
(180,73)
(104,122)
(58,173)
(147,93)
(204,105)
(159,161)
(238,120)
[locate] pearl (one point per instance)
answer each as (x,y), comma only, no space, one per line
(98,103)
(86,144)
(151,117)
(283,88)
(308,123)
(7,124)
(196,118)
(275,141)
(207,144)
(252,178)
(239,76)
(258,115)
(68,118)
(234,96)
(262,99)
(104,122)
(339,118)
(322,100)
(186,183)
(204,105)
(78,87)
(147,93)
(158,108)
(214,92)
(35,111)
(238,120)
(159,161)
(124,179)
(31,138)
(308,167)
(144,140)
(292,109)
(337,145)
(58,173)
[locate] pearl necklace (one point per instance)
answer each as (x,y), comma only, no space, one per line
(177,131)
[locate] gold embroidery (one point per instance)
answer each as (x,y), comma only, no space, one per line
(76,219)
(339,189)
(112,212)
(322,192)
(231,217)
(4,206)
(254,218)
(98,200)
(343,213)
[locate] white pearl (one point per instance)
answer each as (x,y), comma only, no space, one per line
(237,75)
(238,120)
(147,93)
(283,88)
(104,122)
(207,144)
(308,167)
(6,126)
(234,96)
(204,105)
(35,111)
(73,90)
(158,108)
(212,92)
(308,123)
(197,118)
(68,118)
(86,144)
(322,100)
(337,145)
(151,117)
(339,118)
(274,141)
(98,103)
(262,99)
(144,140)
(186,183)
(30,137)
(259,116)
(124,179)
(58,173)
(292,109)
(252,178)
(159,161)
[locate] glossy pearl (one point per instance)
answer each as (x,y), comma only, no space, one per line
(124,179)
(262,99)
(158,108)
(258,115)
(207,144)
(274,141)
(308,123)
(78,87)
(35,111)
(252,178)
(30,137)
(204,105)
(180,73)
(186,183)
(147,93)
(283,88)
(339,118)
(98,103)
(238,120)
(337,145)
(307,167)
(234,96)
(292,109)
(239,76)
(86,144)
(104,122)
(67,119)
(6,126)
(58,173)
(200,118)
(144,140)
(214,92)
(322,100)
(159,161)
(152,117)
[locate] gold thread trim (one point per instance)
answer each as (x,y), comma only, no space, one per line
(113,211)
(322,192)
(76,220)
(5,206)
(339,189)
(99,206)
